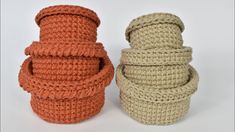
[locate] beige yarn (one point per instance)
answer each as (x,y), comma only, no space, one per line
(155,30)
(154,77)
(160,76)
(156,56)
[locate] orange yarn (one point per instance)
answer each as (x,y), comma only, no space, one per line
(67,71)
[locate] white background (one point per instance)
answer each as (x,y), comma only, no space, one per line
(209,30)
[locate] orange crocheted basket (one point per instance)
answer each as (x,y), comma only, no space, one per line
(67,70)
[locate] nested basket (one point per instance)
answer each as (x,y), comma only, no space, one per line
(66,26)
(161,30)
(66,101)
(64,61)
(150,104)
(67,23)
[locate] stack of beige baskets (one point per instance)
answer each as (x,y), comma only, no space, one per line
(154,77)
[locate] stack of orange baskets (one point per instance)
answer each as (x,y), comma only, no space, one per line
(67,70)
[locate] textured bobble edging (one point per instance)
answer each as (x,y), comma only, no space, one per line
(61,49)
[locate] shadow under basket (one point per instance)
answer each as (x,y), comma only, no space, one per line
(151,113)
(67,110)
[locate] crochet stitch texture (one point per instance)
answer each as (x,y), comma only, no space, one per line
(67,70)
(154,77)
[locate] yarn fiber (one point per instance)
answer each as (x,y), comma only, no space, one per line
(67,70)
(154,77)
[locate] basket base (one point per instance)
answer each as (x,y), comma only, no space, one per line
(67,111)
(154,113)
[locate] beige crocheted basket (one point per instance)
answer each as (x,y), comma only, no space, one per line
(154,77)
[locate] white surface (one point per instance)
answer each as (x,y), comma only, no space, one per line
(209,30)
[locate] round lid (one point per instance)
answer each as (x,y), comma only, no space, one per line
(67,10)
(152,19)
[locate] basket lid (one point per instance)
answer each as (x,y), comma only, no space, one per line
(152,19)
(67,10)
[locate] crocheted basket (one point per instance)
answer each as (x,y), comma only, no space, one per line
(154,77)
(67,23)
(67,70)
